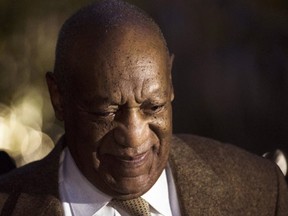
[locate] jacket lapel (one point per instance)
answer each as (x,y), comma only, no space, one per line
(200,190)
(29,204)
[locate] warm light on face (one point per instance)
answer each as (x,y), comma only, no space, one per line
(20,129)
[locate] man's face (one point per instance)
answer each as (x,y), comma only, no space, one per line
(118,115)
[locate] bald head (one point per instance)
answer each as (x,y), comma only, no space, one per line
(94,23)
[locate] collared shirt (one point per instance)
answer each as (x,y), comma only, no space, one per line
(80,198)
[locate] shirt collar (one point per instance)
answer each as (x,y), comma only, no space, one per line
(80,193)
(158,196)
(85,197)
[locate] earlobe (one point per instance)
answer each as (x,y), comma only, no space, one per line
(55,96)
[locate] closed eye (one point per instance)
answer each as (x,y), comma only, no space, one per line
(97,115)
(154,109)
(104,114)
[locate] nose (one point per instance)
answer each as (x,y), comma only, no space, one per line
(132,129)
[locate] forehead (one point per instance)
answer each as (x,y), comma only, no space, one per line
(125,58)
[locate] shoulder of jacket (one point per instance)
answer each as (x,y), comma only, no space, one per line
(224,158)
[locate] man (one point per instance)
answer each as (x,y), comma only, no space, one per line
(112,88)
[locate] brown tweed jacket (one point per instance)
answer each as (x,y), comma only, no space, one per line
(211,178)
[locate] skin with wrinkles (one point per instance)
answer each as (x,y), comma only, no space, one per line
(118,118)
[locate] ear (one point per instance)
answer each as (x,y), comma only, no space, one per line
(171,60)
(55,96)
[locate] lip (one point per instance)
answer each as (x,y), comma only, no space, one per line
(127,165)
(132,161)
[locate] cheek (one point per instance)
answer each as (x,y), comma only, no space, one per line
(88,139)
(96,131)
(162,123)
(84,130)
(162,127)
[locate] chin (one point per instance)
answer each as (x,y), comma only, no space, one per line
(129,185)
(129,188)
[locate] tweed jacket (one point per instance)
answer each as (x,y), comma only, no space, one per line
(211,179)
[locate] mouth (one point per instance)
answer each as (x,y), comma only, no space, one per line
(127,164)
(132,160)
(127,161)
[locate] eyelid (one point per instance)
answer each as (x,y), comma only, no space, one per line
(154,108)
(104,112)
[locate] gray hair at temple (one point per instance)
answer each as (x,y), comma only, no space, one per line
(98,19)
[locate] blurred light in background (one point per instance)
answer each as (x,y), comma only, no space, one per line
(27,46)
(21,133)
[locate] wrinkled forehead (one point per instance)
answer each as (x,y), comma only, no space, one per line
(126,60)
(117,52)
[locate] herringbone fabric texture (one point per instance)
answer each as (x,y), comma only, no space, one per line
(135,207)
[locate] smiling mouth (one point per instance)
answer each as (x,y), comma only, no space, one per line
(128,165)
(128,161)
(137,159)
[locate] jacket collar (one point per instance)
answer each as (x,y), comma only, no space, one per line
(200,190)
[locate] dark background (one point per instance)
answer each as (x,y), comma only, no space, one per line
(230,69)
